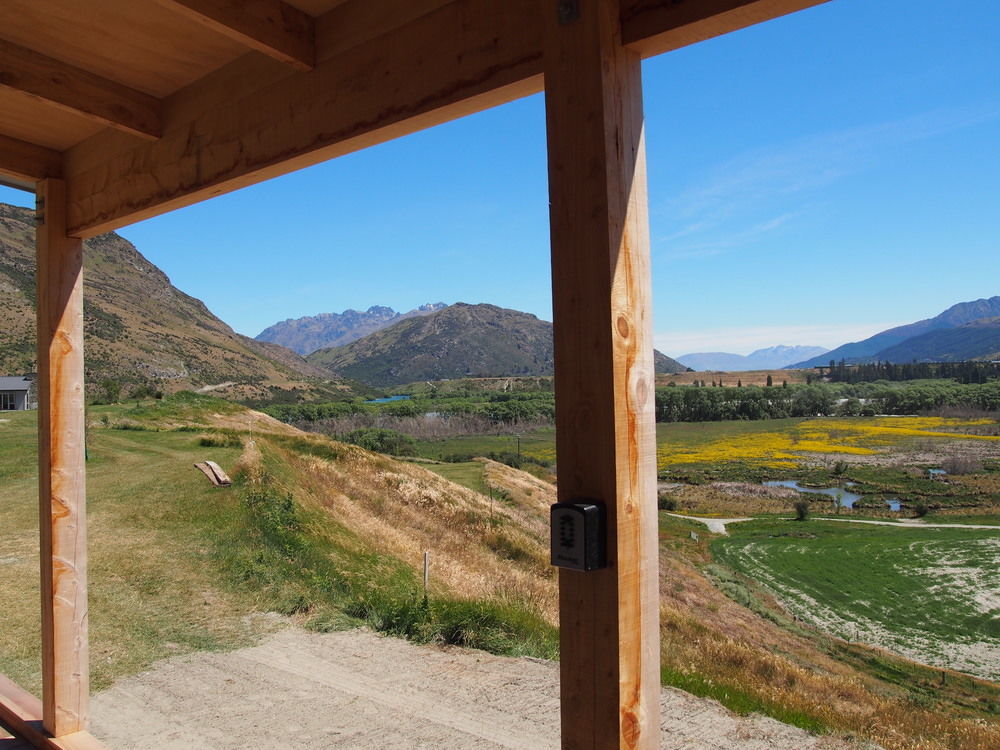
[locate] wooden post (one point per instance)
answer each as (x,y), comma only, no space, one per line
(62,511)
(606,450)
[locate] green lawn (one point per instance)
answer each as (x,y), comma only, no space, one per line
(467,473)
(930,594)
(152,592)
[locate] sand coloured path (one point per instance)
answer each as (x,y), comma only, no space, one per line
(715,525)
(355,689)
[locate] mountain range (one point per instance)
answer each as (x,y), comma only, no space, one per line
(968,330)
(139,329)
(460,340)
(306,335)
(772,358)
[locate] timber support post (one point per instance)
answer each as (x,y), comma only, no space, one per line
(61,472)
(606,450)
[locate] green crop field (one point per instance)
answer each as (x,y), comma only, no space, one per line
(928,593)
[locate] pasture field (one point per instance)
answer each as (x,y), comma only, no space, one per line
(539,444)
(932,594)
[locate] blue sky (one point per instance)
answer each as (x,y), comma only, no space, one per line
(812,180)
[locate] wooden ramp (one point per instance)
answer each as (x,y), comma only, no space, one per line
(214,472)
(21,714)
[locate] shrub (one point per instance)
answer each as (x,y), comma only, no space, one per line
(666,501)
(801,510)
(962,465)
(382,441)
(220,440)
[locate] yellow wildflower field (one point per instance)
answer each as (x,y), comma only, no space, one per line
(785,447)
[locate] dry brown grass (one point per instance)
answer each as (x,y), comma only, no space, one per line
(732,499)
(729,379)
(478,548)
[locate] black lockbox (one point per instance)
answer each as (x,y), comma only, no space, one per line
(578,537)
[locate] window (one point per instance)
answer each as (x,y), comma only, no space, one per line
(7,402)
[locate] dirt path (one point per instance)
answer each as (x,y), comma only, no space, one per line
(355,689)
(715,525)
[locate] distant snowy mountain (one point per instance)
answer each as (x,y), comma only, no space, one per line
(771,358)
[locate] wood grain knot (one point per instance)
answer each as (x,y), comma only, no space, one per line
(630,728)
(641,393)
(623,327)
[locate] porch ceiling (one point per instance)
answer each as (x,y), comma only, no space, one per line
(147,105)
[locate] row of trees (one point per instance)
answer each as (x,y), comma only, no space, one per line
(505,408)
(960,372)
(863,399)
(673,404)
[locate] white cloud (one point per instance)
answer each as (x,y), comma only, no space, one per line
(746,340)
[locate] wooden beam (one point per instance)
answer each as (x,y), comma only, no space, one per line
(652,27)
(28,161)
(456,59)
(78,90)
(606,448)
(273,27)
(62,494)
(351,23)
(462,58)
(21,714)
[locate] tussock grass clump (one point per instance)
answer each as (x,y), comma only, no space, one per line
(309,446)
(222,439)
(962,465)
(494,626)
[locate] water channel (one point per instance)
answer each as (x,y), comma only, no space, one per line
(843,497)
(386,400)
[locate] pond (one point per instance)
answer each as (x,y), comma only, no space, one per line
(844,498)
(386,400)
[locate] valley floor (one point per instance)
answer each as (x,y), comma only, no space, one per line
(355,689)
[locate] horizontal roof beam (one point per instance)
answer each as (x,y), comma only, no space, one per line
(459,58)
(652,27)
(273,27)
(25,163)
(79,91)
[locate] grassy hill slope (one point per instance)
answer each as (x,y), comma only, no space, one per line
(139,329)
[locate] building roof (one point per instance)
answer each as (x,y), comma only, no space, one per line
(14,383)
